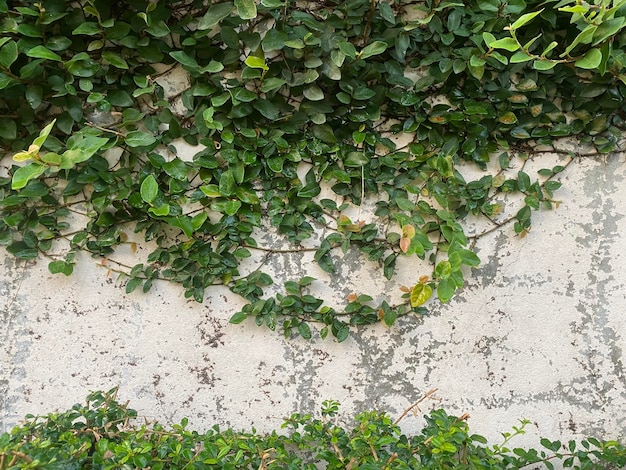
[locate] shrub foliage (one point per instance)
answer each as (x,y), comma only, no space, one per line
(103,435)
(298,111)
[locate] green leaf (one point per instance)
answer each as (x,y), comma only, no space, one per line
(274,40)
(22,250)
(420,294)
(212,67)
(607,28)
(584,37)
(120,98)
(304,330)
(477,71)
(488,38)
(469,258)
(8,54)
(26,173)
(139,139)
(313,93)
(115,59)
(342,334)
(519,57)
(216,13)
(524,19)
(325,133)
(182,222)
(508,44)
(348,49)
(246,9)
(227,183)
(60,267)
(81,151)
(34,96)
(390,317)
(149,189)
(363,93)
(519,133)
(445,289)
(210,190)
(542,64)
(267,109)
(177,169)
(88,29)
(591,60)
(232,207)
(133,283)
(41,52)
(375,48)
(356,159)
(160,211)
(386,12)
(8,128)
(185,59)
(271,84)
(523,181)
(238,318)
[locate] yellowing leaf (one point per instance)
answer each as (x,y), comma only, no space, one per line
(408,232)
(32,152)
(255,62)
(420,294)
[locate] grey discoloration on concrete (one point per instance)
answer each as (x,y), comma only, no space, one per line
(538,332)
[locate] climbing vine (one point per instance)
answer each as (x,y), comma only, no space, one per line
(297,114)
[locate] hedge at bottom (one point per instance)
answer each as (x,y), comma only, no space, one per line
(103,435)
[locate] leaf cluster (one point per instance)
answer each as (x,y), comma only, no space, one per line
(103,434)
(297,114)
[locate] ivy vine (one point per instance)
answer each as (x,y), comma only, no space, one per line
(298,112)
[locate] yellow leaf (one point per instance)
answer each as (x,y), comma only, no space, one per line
(32,152)
(408,231)
(420,294)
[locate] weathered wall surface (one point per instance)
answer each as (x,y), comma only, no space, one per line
(538,332)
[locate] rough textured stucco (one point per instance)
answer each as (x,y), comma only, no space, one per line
(538,332)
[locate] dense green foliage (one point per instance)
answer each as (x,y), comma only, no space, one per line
(296,109)
(103,435)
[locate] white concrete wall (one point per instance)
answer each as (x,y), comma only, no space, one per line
(538,333)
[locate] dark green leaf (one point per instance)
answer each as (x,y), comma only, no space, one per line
(115,59)
(184,59)
(304,330)
(132,284)
(8,54)
(216,13)
(22,250)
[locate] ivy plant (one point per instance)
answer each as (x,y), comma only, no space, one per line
(104,434)
(297,114)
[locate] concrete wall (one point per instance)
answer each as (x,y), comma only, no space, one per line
(537,333)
